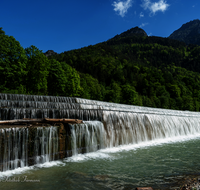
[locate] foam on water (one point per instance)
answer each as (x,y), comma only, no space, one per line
(9,173)
(107,153)
(150,143)
(89,156)
(19,170)
(49,164)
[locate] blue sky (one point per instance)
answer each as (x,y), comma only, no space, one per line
(64,25)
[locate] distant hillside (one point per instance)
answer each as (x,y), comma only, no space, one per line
(133,68)
(188,33)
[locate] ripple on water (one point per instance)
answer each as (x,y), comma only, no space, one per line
(156,164)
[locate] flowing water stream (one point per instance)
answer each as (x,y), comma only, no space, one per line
(155,163)
(117,147)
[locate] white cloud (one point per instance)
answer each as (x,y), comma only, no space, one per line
(122,7)
(143,24)
(161,5)
(141,14)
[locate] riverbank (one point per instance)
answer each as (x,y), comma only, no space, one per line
(189,182)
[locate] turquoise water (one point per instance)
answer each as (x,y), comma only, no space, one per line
(154,164)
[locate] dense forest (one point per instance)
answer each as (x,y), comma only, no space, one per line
(137,70)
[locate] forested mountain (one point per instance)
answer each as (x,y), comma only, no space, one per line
(129,68)
(188,33)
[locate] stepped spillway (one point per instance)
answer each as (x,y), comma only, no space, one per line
(105,125)
(18,106)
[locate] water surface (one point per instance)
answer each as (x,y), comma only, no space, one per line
(155,164)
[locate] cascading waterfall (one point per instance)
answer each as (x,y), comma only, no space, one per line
(13,148)
(87,137)
(131,128)
(16,149)
(123,128)
(46,144)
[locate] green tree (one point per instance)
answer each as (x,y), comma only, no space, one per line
(12,64)
(92,88)
(57,79)
(86,92)
(188,103)
(37,68)
(129,94)
(174,90)
(114,93)
(147,101)
(72,85)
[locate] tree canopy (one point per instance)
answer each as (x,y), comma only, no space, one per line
(13,62)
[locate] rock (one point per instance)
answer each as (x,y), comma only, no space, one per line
(101,177)
(50,53)
(144,188)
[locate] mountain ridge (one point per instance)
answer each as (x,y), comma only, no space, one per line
(188,33)
(136,31)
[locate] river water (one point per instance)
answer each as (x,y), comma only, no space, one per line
(154,163)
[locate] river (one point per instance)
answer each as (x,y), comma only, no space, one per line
(154,163)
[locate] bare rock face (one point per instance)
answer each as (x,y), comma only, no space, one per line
(188,33)
(50,53)
(132,32)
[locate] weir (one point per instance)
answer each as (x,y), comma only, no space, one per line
(105,125)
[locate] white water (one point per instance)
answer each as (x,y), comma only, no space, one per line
(14,146)
(104,154)
(131,128)
(28,168)
(108,106)
(119,129)
(46,144)
(87,137)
